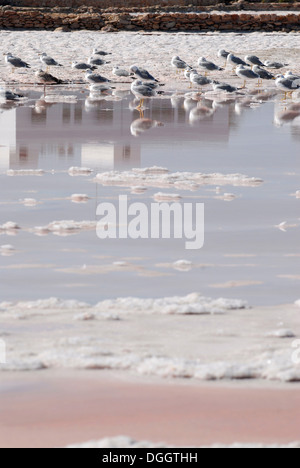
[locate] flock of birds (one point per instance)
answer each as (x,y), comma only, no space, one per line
(146,85)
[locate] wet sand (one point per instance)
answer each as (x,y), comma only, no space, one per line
(54,410)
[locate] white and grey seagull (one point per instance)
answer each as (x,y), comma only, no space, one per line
(141,91)
(94,79)
(208,66)
(142,73)
(235,60)
(49,61)
(253,60)
(246,74)
(15,62)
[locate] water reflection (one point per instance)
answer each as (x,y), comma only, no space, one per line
(106,132)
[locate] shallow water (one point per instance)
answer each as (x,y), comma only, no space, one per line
(245,255)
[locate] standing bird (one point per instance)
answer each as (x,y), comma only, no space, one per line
(117,71)
(96,61)
(142,73)
(49,61)
(276,65)
(287,85)
(246,74)
(141,91)
(235,61)
(253,60)
(47,79)
(224,87)
(223,54)
(179,64)
(15,62)
(208,66)
(199,80)
(100,52)
(263,74)
(82,66)
(94,79)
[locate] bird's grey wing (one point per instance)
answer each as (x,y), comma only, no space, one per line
(17,62)
(144,90)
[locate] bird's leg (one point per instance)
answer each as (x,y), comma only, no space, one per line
(291,94)
(13,70)
(244,86)
(47,69)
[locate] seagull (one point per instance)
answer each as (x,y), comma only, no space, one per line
(208,66)
(96,61)
(287,85)
(15,62)
(187,73)
(49,61)
(223,54)
(277,65)
(246,74)
(254,60)
(263,74)
(117,71)
(142,73)
(235,61)
(100,52)
(290,75)
(82,66)
(93,79)
(9,95)
(199,80)
(141,91)
(46,78)
(179,64)
(224,87)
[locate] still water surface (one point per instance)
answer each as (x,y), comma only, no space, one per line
(244,256)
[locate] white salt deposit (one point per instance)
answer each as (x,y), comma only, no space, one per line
(7,250)
(9,226)
(128,442)
(187,305)
(29,202)
(79,198)
(26,172)
(80,171)
(153,177)
(182,265)
(65,227)
(45,304)
(281,333)
(160,196)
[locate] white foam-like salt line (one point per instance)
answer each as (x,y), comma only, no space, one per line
(25,172)
(65,226)
(160,196)
(128,442)
(183,180)
(79,198)
(80,171)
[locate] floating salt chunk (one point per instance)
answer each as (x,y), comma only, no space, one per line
(120,264)
(182,265)
(85,316)
(166,196)
(79,198)
(29,202)
(151,170)
(138,189)
(26,172)
(282,333)
(80,171)
(9,228)
(297,194)
(47,304)
(297,303)
(7,250)
(227,197)
(180,180)
(65,227)
(285,226)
